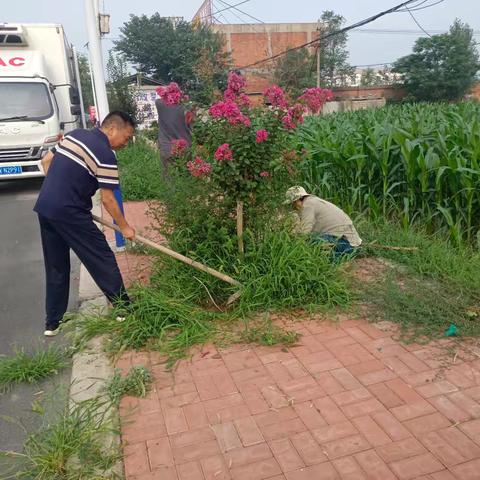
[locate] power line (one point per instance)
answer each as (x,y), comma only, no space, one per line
(418,24)
(342,30)
(400,32)
(415,9)
(224,9)
(257,41)
(241,11)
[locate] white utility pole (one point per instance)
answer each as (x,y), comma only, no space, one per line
(96,57)
(80,93)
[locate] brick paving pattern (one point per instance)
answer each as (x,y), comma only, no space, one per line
(349,402)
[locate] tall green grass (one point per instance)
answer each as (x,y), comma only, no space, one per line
(418,163)
(140,171)
(424,290)
(34,367)
(72,447)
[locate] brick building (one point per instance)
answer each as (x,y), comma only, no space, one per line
(250,43)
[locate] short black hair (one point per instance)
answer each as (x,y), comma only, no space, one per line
(121,119)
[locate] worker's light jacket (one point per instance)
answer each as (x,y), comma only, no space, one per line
(323,217)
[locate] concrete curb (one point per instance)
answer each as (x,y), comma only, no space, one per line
(91,367)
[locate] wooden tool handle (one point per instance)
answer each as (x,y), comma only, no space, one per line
(172,253)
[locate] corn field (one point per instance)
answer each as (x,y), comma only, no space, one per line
(417,163)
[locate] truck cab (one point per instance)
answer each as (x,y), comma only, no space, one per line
(38,96)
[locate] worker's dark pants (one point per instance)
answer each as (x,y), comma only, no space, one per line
(91,247)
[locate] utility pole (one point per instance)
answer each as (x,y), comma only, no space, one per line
(94,30)
(96,57)
(318,54)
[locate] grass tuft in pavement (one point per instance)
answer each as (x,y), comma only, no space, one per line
(31,368)
(136,384)
(70,448)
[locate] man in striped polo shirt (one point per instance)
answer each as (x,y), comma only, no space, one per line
(83,162)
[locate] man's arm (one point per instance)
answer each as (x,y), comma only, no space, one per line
(307,218)
(45,162)
(110,203)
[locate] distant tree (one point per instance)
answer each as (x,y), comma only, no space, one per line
(441,67)
(370,78)
(85,81)
(334,67)
(295,71)
(190,54)
(120,94)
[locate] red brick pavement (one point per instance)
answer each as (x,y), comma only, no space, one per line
(135,267)
(348,402)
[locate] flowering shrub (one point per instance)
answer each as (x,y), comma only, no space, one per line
(223,152)
(314,98)
(248,146)
(261,136)
(171,94)
(199,167)
(275,96)
(178,146)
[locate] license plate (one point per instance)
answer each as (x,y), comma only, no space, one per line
(10,170)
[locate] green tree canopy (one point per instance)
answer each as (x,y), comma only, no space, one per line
(85,81)
(295,71)
(334,67)
(441,67)
(120,93)
(191,55)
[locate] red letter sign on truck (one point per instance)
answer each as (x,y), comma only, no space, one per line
(38,95)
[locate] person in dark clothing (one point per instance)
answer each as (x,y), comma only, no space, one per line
(83,162)
(173,124)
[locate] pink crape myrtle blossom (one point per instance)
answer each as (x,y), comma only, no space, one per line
(261,136)
(178,146)
(264,174)
(223,153)
(230,111)
(314,98)
(199,167)
(293,117)
(171,94)
(236,83)
(244,100)
(275,96)
(235,91)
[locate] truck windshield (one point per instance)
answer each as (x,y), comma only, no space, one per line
(29,101)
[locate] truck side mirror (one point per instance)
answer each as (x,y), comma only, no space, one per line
(75,110)
(74,96)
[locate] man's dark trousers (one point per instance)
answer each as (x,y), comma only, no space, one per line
(91,247)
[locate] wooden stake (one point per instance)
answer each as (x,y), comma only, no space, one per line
(173,254)
(241,248)
(388,247)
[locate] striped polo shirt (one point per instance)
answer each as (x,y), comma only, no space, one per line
(82,163)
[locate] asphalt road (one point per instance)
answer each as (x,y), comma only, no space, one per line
(22,285)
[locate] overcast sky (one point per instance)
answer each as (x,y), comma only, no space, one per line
(365,48)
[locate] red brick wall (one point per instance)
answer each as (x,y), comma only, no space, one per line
(281,41)
(475,91)
(248,48)
(388,92)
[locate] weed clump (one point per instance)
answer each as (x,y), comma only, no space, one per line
(31,368)
(137,383)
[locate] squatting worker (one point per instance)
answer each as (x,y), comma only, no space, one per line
(83,162)
(324,221)
(173,124)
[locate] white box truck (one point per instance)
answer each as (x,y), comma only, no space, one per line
(39,98)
